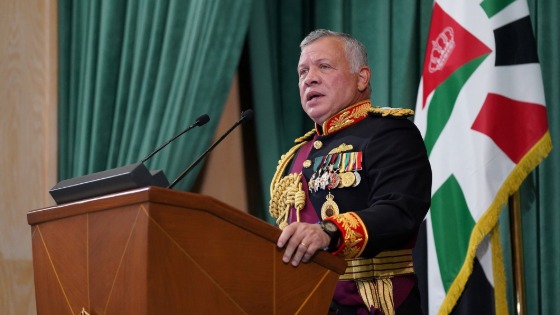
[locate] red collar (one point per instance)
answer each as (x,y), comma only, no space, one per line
(345,118)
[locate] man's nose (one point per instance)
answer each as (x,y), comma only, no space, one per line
(312,77)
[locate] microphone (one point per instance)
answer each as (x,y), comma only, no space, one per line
(118,179)
(245,116)
(198,122)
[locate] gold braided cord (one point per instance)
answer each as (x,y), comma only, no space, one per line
(389,111)
(286,191)
(282,164)
(306,136)
(299,202)
(286,158)
(287,194)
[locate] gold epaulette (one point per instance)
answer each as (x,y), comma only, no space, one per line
(391,112)
(306,137)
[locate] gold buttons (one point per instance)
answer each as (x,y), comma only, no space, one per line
(317,144)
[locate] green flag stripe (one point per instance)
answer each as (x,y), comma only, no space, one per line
(452,224)
(492,7)
(444,98)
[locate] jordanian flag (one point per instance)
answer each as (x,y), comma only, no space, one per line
(481,110)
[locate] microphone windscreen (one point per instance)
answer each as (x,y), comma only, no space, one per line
(247,115)
(202,120)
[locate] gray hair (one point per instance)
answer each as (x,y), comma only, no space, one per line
(355,50)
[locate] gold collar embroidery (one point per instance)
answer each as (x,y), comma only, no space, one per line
(347,117)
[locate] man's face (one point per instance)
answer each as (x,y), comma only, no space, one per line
(326,84)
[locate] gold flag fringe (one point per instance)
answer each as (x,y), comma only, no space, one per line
(489,220)
(500,299)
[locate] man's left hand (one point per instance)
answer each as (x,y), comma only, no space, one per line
(302,240)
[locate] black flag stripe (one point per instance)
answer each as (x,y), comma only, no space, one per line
(515,43)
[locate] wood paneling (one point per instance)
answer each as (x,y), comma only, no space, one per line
(223,175)
(28,142)
(158,251)
(28,91)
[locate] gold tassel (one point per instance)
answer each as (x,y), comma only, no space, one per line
(378,294)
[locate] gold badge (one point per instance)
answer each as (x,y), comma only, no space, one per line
(306,163)
(317,144)
(329,207)
(348,179)
(341,148)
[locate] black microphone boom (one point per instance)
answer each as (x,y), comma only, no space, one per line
(198,122)
(118,179)
(245,116)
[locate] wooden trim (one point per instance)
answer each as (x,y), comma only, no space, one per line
(162,196)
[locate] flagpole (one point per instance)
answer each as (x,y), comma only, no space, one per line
(518,265)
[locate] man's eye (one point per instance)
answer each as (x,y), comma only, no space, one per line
(302,72)
(324,66)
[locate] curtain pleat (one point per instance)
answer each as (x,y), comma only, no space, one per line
(135,73)
(395,34)
(541,202)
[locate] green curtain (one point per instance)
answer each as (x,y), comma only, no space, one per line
(395,34)
(134,73)
(541,203)
(278,118)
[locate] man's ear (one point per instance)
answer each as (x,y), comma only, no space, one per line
(363,78)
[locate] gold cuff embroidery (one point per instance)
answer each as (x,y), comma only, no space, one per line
(354,234)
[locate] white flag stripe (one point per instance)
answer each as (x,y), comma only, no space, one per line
(421,115)
(512,12)
(436,291)
(472,17)
(486,175)
(525,90)
(484,255)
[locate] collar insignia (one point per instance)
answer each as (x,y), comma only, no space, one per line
(347,117)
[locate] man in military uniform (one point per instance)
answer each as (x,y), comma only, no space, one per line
(357,185)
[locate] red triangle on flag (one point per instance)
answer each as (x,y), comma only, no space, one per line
(450,46)
(514,126)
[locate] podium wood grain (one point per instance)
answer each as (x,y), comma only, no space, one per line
(158,251)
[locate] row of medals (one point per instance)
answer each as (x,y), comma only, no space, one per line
(330,179)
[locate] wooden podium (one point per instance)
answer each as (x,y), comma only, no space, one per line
(159,251)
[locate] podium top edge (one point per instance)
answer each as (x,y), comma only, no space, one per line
(164,196)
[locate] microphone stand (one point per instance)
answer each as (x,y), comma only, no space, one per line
(247,115)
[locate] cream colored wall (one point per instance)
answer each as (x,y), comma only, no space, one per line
(223,174)
(28,85)
(28,142)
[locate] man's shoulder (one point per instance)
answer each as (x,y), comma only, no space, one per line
(391,112)
(306,137)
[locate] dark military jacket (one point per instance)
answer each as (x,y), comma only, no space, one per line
(368,172)
(392,196)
